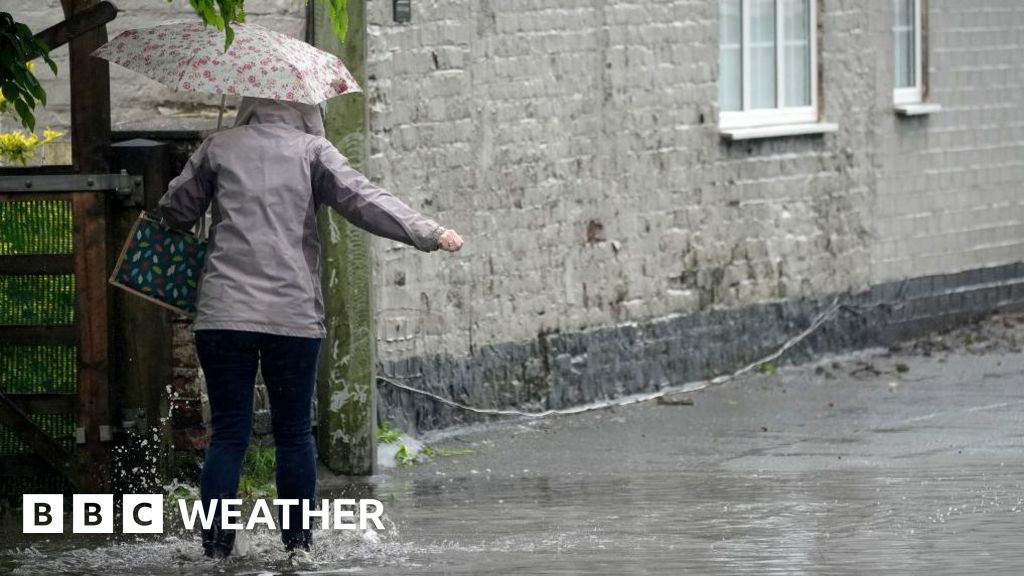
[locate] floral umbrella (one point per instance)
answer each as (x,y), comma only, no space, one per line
(262,63)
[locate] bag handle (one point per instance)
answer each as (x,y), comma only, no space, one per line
(201,227)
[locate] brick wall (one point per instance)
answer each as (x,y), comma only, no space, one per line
(950,198)
(576,145)
(187,399)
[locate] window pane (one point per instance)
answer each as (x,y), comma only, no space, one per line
(762,53)
(796,52)
(730,64)
(903,43)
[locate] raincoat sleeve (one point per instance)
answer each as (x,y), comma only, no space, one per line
(369,207)
(190,193)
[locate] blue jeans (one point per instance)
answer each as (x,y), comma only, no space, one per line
(229,359)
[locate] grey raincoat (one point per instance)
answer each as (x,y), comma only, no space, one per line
(266,178)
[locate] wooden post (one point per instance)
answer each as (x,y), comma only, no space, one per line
(90,142)
(90,262)
(90,95)
(142,337)
(347,390)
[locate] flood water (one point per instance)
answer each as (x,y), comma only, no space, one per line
(854,522)
(911,471)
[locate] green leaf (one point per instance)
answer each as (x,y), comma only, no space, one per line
(339,18)
(7,58)
(29,82)
(11,90)
(388,434)
(49,62)
(404,456)
(27,118)
(206,12)
(21,89)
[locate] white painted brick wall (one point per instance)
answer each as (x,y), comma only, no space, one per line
(950,194)
(524,123)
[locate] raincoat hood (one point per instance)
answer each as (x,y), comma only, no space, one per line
(303,117)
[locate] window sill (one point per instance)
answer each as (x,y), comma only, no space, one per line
(807,129)
(918,109)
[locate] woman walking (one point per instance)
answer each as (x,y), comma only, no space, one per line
(260,304)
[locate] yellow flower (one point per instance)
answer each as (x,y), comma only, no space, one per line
(18,146)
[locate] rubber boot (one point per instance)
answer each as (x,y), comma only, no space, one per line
(298,542)
(218,542)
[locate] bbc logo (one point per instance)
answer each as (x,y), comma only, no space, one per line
(92,514)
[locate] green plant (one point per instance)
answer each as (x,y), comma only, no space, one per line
(388,434)
(339,17)
(20,91)
(768,368)
(431,452)
(19,87)
(176,491)
(258,472)
(222,13)
(404,456)
(18,146)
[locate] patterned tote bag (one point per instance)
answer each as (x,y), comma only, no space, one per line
(161,264)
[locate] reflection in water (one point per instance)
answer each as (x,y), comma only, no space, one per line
(711,521)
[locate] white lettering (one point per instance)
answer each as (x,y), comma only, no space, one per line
(285,504)
(308,514)
(364,513)
(230,509)
(339,514)
(188,517)
(260,515)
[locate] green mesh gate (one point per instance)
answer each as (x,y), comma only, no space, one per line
(52,340)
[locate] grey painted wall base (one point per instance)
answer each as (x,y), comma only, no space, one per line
(559,370)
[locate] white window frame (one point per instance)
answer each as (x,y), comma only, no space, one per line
(912,94)
(748,118)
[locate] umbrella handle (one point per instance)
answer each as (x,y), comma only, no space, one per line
(220,115)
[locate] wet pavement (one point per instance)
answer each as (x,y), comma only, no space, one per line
(906,461)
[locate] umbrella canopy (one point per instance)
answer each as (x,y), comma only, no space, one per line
(262,63)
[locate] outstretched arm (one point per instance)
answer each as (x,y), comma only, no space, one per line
(340,186)
(190,193)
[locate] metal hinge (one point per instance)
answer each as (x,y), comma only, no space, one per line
(106,434)
(126,187)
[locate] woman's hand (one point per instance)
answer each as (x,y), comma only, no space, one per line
(450,241)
